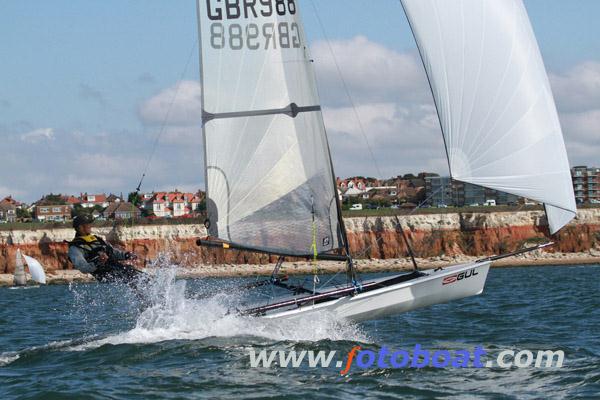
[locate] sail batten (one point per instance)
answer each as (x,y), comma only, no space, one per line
(500,127)
(268,167)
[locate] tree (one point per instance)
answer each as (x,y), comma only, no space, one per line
(53,199)
(134,198)
(202,205)
(23,214)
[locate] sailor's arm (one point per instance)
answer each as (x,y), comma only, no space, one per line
(122,254)
(78,260)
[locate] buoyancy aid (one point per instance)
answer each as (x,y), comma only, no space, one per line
(91,246)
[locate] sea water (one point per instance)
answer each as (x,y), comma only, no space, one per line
(98,341)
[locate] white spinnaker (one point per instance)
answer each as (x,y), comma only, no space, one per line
(265,173)
(494,101)
(35,269)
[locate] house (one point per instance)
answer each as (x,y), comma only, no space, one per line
(92,200)
(52,212)
(586,184)
(10,200)
(113,198)
(121,210)
(52,207)
(72,201)
(8,209)
(444,191)
(8,212)
(173,204)
(358,183)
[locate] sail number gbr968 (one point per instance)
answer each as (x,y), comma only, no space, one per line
(252,36)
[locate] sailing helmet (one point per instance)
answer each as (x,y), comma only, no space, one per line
(82,219)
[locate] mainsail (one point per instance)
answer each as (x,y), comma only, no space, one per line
(269,179)
(19,275)
(494,102)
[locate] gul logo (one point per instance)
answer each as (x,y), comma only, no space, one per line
(457,277)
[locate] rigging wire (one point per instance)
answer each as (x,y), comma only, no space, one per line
(167,115)
(346,89)
(360,124)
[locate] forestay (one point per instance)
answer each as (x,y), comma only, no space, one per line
(268,168)
(493,98)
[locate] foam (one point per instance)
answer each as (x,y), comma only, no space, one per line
(173,316)
(7,359)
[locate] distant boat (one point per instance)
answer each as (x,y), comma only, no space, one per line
(35,269)
(268,170)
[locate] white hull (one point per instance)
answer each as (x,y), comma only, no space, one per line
(451,283)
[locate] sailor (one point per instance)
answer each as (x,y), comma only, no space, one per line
(91,254)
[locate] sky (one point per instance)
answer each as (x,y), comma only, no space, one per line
(85,87)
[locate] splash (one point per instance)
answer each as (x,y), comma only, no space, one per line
(7,359)
(172,315)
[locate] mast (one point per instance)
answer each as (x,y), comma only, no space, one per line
(200,60)
(350,272)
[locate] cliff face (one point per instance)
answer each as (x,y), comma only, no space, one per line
(431,235)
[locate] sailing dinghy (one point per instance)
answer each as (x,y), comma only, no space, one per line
(269,175)
(35,269)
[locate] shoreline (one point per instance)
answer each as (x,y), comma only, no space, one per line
(63,277)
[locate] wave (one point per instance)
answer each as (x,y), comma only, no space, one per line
(173,316)
(12,356)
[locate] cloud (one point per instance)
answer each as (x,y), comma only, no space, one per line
(393,126)
(104,161)
(10,191)
(5,103)
(583,127)
(394,139)
(38,135)
(397,123)
(87,92)
(177,105)
(577,95)
(577,89)
(372,72)
(394,104)
(183,135)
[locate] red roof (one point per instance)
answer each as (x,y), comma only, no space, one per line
(10,200)
(98,198)
(172,197)
(72,200)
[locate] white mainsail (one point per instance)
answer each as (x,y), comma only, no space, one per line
(19,276)
(268,168)
(35,269)
(494,102)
